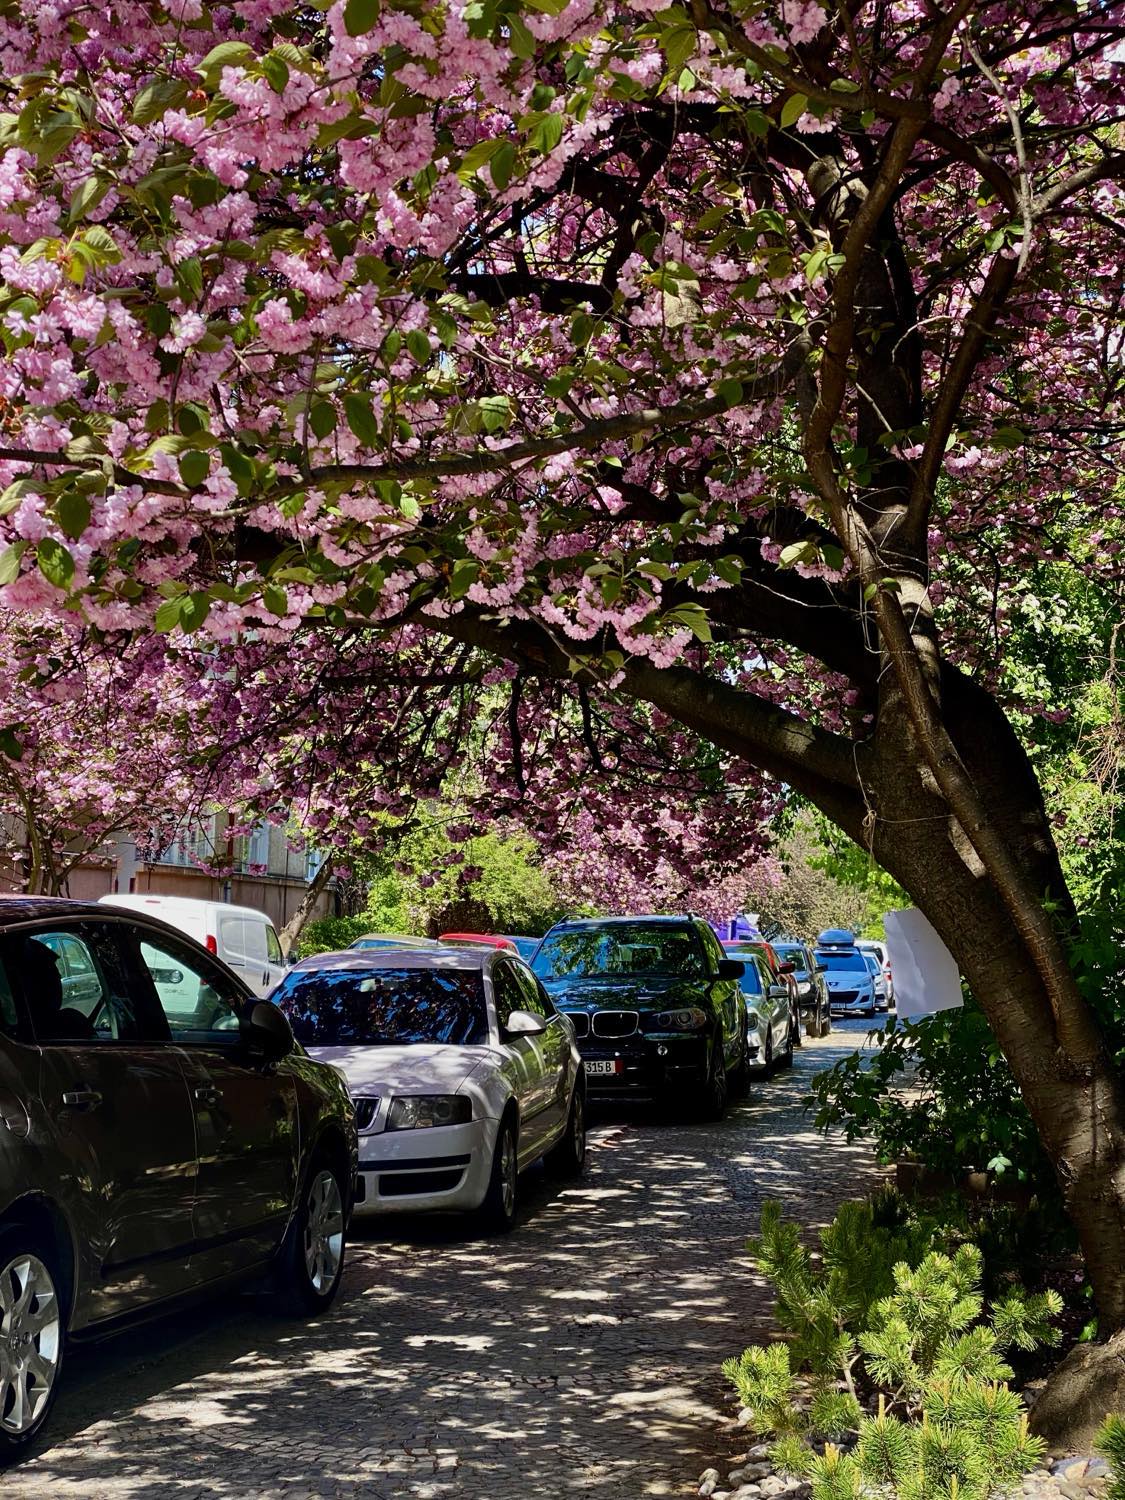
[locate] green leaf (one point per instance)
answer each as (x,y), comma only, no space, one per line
(189,278)
(10,562)
(156,98)
(495,412)
(194,468)
(225,55)
(547,133)
(13,495)
(322,419)
(419,345)
(793,108)
(10,747)
(360,16)
(55,562)
(501,164)
(168,614)
(276,71)
(87,196)
(72,511)
(275,599)
(101,243)
(361,419)
(477,156)
(678,44)
(520,39)
(729,391)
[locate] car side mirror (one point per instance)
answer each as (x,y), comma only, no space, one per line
(787,968)
(821,969)
(731,968)
(267,1032)
(778,991)
(525,1023)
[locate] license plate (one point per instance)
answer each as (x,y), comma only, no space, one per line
(599,1069)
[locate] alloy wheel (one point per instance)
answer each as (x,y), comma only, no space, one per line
(324,1231)
(30,1342)
(508,1173)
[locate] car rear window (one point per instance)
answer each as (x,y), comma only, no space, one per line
(851,960)
(623,949)
(385,1007)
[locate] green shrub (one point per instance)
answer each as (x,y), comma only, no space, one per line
(1110,1443)
(329,934)
(882,1313)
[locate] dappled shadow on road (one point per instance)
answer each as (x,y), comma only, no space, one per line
(577,1356)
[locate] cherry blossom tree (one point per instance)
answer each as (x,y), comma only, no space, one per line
(713,366)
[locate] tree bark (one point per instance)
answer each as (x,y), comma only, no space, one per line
(296,924)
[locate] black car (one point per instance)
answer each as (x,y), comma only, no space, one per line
(161,1135)
(812,992)
(656,1006)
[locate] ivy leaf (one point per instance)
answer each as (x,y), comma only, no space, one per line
(55,562)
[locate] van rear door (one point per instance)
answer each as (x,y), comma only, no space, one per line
(242,944)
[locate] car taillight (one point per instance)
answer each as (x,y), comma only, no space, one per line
(212,944)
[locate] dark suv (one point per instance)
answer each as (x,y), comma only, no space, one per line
(161,1133)
(656,1007)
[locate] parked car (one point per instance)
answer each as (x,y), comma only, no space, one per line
(462,1070)
(479,939)
(374,941)
(244,938)
(812,992)
(781,971)
(525,946)
(876,971)
(656,1007)
(164,1136)
(769,1010)
(851,986)
(867,945)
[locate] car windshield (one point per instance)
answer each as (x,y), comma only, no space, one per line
(794,956)
(385,1007)
(623,949)
(872,962)
(847,960)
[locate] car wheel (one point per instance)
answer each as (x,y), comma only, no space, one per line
(32,1338)
(311,1261)
(498,1211)
(786,1058)
(825,1023)
(568,1158)
(767,1058)
(740,1078)
(716,1091)
(795,1031)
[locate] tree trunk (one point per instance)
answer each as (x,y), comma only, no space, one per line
(1061,1064)
(292,930)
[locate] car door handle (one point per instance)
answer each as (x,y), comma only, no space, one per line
(207,1093)
(81,1099)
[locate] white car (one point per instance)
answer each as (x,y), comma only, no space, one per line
(462,1071)
(878,977)
(867,945)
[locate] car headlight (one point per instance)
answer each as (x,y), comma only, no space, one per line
(691,1018)
(424,1111)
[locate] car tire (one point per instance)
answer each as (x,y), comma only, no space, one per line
(31,1309)
(786,1058)
(795,1031)
(501,1201)
(825,1023)
(568,1158)
(716,1091)
(767,1053)
(311,1260)
(739,1080)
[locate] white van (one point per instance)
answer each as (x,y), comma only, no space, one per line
(242,937)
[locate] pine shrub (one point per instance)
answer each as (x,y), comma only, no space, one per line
(882,1314)
(1110,1444)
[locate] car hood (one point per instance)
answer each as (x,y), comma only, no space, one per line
(421,1068)
(623,992)
(847,979)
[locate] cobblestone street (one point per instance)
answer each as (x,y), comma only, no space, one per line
(578,1357)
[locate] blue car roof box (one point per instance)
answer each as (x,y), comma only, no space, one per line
(836,937)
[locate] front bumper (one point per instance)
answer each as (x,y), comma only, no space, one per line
(411,1171)
(851,1002)
(645,1067)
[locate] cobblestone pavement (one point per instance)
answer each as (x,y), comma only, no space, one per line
(579,1356)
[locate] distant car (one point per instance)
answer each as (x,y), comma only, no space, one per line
(243,937)
(879,983)
(480,939)
(867,945)
(782,971)
(656,1006)
(377,941)
(812,992)
(525,946)
(462,1070)
(769,1010)
(851,985)
(161,1136)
